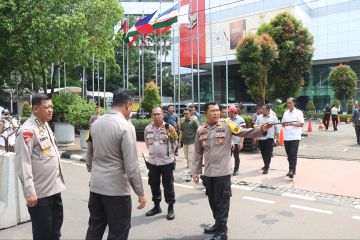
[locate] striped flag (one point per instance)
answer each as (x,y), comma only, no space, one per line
(167,18)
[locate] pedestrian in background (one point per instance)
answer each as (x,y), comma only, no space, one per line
(8,128)
(293,121)
(39,169)
(237,142)
(172,118)
(213,147)
(186,139)
(266,143)
(161,139)
(223,114)
(356,122)
(111,159)
(334,116)
(195,114)
(327,115)
(95,116)
(256,114)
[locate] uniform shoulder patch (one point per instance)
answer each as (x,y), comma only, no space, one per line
(27,136)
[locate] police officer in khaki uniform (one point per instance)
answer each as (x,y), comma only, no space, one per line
(161,140)
(213,144)
(39,170)
(111,159)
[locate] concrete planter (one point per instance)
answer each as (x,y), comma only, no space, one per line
(83,135)
(64,134)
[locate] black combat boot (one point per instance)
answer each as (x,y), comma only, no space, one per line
(171,214)
(155,210)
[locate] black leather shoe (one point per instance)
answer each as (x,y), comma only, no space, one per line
(210,230)
(170,215)
(219,236)
(236,173)
(153,211)
(266,171)
(263,168)
(291,174)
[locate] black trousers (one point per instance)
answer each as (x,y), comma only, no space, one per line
(47,217)
(335,121)
(266,148)
(218,190)
(165,172)
(326,120)
(114,211)
(236,153)
(291,148)
(357,131)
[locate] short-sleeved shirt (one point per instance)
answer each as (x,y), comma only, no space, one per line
(171,119)
(292,132)
(238,121)
(274,129)
(188,129)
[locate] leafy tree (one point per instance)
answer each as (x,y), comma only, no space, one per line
(294,43)
(40,32)
(151,98)
(343,81)
(255,54)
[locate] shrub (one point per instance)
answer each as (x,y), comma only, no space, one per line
(61,104)
(310,106)
(151,97)
(26,110)
(79,114)
(141,123)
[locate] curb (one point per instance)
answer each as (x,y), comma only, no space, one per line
(71,156)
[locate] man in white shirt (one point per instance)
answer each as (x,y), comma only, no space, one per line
(236,140)
(266,142)
(293,121)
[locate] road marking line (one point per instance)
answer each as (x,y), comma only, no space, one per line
(292,195)
(258,200)
(79,164)
(356,217)
(247,188)
(357,206)
(183,185)
(311,209)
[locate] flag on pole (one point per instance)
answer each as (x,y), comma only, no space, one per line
(144,25)
(167,18)
(124,27)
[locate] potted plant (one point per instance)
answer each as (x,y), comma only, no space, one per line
(140,125)
(78,115)
(64,131)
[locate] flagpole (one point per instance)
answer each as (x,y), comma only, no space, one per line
(127,67)
(198,52)
(161,69)
(98,80)
(139,72)
(227,70)
(192,55)
(173,61)
(142,62)
(156,59)
(93,77)
(160,62)
(64,77)
(104,82)
(123,61)
(211,55)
